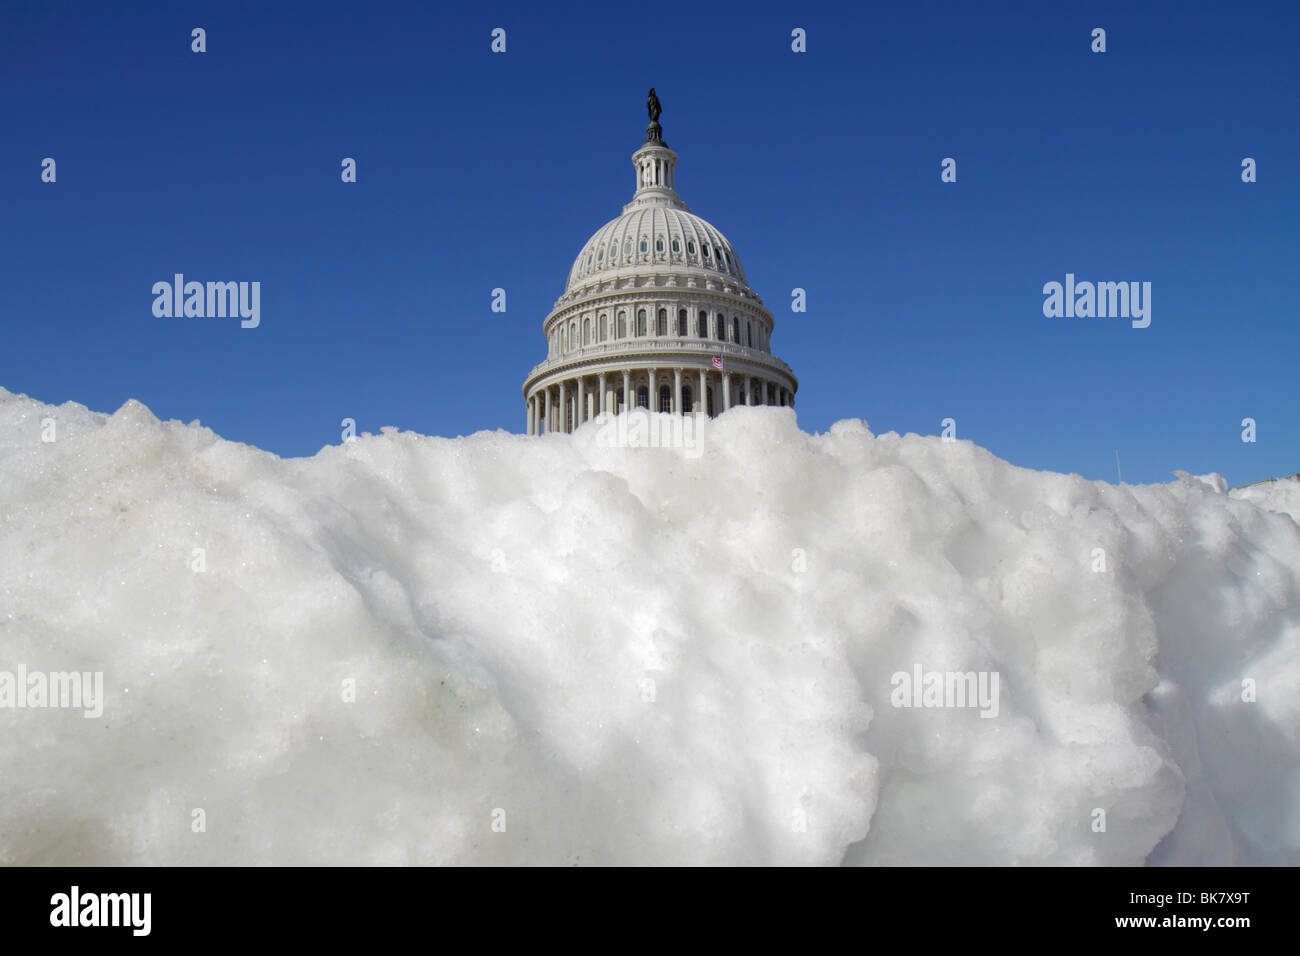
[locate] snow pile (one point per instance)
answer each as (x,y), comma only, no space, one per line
(499,649)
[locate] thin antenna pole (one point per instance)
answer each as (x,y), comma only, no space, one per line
(1117,471)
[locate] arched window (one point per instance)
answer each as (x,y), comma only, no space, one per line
(659,244)
(681,323)
(621,331)
(564,340)
(702,325)
(690,247)
(627,248)
(644,246)
(640,321)
(613,251)
(665,398)
(677,246)
(706,251)
(642,396)
(661,326)
(586,331)
(604,326)
(735,330)
(688,399)
(749,334)
(600,256)
(573,334)
(720,328)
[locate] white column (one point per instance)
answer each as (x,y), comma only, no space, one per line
(726,391)
(703,396)
(749,390)
(604,394)
(564,407)
(627,390)
(530,405)
(677,391)
(651,400)
(579,413)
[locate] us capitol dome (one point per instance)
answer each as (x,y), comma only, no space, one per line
(657,313)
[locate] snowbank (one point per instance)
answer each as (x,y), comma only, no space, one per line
(499,649)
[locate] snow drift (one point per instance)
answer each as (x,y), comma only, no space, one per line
(499,649)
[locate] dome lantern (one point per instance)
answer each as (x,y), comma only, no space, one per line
(655,166)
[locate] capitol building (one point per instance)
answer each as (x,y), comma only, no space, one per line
(656,314)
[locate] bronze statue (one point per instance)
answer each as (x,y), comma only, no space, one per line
(654,132)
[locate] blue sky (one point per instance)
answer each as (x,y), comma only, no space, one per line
(479,170)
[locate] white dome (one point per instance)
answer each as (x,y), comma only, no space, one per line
(652,235)
(656,314)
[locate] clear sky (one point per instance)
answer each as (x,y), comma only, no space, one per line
(478,170)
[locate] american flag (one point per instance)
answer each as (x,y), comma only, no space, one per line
(717,362)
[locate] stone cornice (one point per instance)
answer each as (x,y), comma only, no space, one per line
(660,295)
(596,358)
(648,275)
